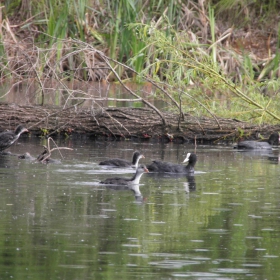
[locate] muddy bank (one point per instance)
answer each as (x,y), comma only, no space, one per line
(128,123)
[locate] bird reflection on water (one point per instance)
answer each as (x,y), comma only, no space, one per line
(190,184)
(135,189)
(272,155)
(4,161)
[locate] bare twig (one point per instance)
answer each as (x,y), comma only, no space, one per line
(46,154)
(133,93)
(56,113)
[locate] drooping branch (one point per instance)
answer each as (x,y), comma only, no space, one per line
(133,93)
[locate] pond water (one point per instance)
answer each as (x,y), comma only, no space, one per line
(58,222)
(92,93)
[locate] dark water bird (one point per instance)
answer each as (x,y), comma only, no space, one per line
(26,156)
(117,162)
(8,138)
(162,167)
(258,145)
(141,169)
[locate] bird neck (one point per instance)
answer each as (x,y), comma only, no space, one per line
(190,167)
(135,161)
(136,178)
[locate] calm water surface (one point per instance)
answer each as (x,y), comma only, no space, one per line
(58,222)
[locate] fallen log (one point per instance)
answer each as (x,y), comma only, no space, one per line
(127,123)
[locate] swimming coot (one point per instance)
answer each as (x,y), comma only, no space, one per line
(160,166)
(26,156)
(8,138)
(141,169)
(117,162)
(257,145)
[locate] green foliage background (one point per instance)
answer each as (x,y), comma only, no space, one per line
(181,44)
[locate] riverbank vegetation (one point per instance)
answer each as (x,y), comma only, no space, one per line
(205,58)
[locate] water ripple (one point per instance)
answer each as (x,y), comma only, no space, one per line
(171,264)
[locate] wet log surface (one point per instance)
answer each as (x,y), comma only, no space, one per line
(127,123)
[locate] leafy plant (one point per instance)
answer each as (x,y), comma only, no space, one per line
(44,131)
(178,54)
